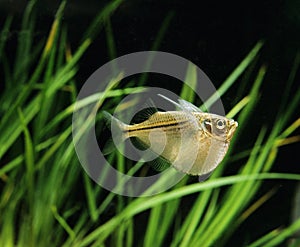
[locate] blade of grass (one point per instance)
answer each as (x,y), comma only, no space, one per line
(25,92)
(63,222)
(68,71)
(60,140)
(287,92)
(91,200)
(130,234)
(4,35)
(159,223)
(238,107)
(50,51)
(246,214)
(284,234)
(29,157)
(24,44)
(253,96)
(55,28)
(161,33)
(276,237)
(13,130)
(260,242)
(141,204)
(234,75)
(208,199)
(100,19)
(189,87)
(86,101)
(112,52)
(232,203)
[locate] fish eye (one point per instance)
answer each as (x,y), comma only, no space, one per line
(220,124)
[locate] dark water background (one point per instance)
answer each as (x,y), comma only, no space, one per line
(216,36)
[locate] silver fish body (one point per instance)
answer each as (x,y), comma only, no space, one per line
(190,140)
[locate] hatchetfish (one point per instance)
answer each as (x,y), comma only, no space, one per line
(192,141)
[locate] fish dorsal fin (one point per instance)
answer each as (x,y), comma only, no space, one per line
(171,101)
(145,113)
(187,106)
(183,104)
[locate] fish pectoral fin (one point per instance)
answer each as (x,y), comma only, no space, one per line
(203,177)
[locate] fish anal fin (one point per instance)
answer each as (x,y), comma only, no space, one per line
(138,143)
(159,164)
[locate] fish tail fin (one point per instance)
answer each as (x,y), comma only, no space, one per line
(112,121)
(118,132)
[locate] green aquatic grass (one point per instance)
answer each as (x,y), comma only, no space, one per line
(46,197)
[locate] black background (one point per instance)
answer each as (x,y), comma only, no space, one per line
(216,36)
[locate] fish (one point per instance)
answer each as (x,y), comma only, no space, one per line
(190,140)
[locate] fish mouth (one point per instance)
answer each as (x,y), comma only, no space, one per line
(233,125)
